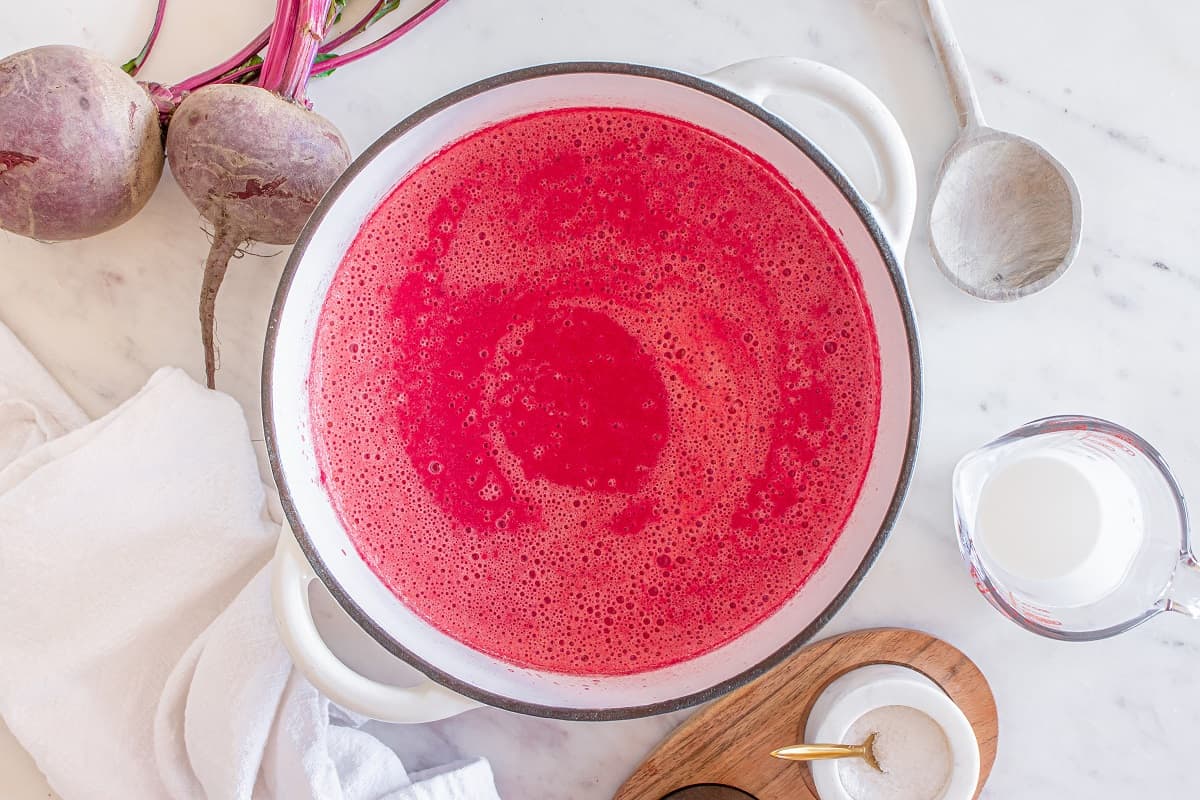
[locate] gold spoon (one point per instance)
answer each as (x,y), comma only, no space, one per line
(818,752)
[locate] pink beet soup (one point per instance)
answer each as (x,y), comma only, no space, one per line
(594,390)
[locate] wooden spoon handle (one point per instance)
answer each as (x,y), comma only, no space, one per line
(954,65)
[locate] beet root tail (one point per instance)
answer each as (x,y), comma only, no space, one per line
(224,246)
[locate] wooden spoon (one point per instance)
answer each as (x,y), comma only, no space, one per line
(1006,216)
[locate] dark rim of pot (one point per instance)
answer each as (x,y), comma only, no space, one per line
(898,284)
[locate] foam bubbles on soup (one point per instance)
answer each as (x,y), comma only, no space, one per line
(594,391)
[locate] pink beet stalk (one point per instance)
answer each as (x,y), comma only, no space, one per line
(236,69)
(281,36)
(288,76)
(382,41)
(359,27)
(134,65)
(167,98)
(238,74)
(235,61)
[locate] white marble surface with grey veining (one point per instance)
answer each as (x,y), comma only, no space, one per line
(1108,87)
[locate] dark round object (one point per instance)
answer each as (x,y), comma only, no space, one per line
(709,791)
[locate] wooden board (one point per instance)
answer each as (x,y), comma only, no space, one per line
(729,741)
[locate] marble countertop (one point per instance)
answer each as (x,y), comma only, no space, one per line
(1107,87)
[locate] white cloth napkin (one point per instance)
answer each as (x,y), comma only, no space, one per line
(138,653)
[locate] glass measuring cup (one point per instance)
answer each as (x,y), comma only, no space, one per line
(1139,574)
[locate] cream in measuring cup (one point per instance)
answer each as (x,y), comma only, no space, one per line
(1061,524)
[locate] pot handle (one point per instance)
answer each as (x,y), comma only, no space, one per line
(290,579)
(760,78)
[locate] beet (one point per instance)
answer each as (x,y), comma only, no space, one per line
(255,165)
(80,144)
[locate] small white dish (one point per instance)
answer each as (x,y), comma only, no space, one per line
(856,693)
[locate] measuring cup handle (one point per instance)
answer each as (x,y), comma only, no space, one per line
(896,204)
(291,575)
(1184,595)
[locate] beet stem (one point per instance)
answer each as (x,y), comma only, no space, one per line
(134,65)
(279,45)
(224,246)
(236,67)
(312,21)
(382,41)
(358,28)
(233,77)
(216,73)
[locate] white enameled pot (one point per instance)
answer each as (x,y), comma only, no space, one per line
(728,102)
